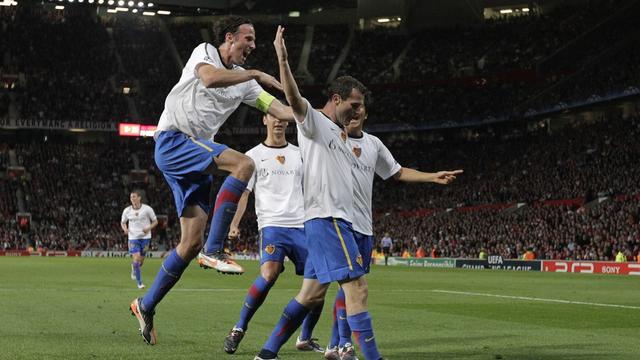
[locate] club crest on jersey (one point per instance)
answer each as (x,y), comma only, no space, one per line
(280,159)
(343,135)
(269,249)
(356,151)
(359,260)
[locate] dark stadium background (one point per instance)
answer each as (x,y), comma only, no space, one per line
(536,101)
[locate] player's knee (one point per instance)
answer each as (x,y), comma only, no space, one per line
(270,275)
(357,290)
(315,302)
(311,299)
(245,168)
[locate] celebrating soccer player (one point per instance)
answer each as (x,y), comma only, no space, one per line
(371,157)
(211,87)
(328,204)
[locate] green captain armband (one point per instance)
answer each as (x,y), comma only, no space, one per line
(263,101)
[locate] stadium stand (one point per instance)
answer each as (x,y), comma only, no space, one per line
(506,69)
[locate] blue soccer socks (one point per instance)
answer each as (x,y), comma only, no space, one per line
(223,212)
(170,271)
(255,297)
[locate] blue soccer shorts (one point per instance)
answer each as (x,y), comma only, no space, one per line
(138,246)
(278,242)
(333,250)
(183,161)
(365,246)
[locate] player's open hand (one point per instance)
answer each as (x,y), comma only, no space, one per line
(446,177)
(278,43)
(268,81)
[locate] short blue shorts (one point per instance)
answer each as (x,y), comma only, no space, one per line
(278,242)
(183,161)
(365,246)
(332,249)
(139,246)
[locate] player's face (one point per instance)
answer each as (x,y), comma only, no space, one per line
(135,199)
(243,42)
(357,122)
(346,109)
(274,125)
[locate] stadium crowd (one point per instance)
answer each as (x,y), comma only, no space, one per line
(76,193)
(575,165)
(450,75)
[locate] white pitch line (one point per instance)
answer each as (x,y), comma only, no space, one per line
(527,298)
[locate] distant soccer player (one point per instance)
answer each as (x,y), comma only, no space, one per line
(277,187)
(328,204)
(211,87)
(386,244)
(371,157)
(137,222)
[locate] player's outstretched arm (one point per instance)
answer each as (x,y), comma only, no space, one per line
(440,177)
(234,228)
(280,111)
(298,104)
(213,77)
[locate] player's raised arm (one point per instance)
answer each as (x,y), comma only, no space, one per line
(290,88)
(440,177)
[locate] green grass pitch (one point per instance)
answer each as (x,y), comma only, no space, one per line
(77,308)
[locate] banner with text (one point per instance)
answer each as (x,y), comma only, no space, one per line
(422,262)
(591,267)
(79,125)
(498,263)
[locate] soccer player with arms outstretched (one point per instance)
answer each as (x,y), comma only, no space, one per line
(328,204)
(212,86)
(277,187)
(371,157)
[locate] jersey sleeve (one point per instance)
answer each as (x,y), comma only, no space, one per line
(252,179)
(255,96)
(203,54)
(307,126)
(123,218)
(386,165)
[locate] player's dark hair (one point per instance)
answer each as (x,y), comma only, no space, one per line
(137,192)
(228,24)
(343,85)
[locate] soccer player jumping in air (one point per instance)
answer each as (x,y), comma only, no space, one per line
(211,87)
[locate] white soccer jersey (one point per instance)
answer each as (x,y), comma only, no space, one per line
(138,219)
(371,157)
(277,185)
(198,111)
(328,183)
